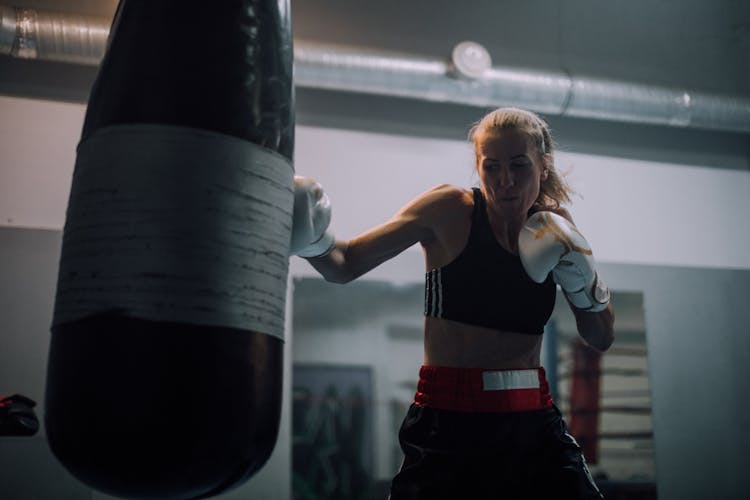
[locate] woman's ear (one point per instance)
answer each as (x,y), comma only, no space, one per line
(547,158)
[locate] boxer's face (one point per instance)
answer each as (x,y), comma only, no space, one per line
(510,169)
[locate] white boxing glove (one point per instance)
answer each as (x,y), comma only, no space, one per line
(312,215)
(550,242)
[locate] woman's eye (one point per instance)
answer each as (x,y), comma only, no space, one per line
(520,164)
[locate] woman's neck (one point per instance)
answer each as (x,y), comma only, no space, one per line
(506,227)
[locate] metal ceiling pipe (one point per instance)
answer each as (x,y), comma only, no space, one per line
(45,35)
(355,70)
(52,36)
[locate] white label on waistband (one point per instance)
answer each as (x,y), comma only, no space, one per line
(510,379)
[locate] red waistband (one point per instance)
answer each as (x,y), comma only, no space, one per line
(482,390)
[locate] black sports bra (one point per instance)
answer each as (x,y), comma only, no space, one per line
(487,286)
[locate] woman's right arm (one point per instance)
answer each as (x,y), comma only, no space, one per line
(417,222)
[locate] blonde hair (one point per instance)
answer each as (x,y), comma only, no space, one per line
(554,190)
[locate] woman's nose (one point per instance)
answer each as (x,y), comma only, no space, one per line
(506,177)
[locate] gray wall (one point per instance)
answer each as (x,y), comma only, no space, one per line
(698,334)
(28,273)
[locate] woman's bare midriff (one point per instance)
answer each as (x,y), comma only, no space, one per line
(450,343)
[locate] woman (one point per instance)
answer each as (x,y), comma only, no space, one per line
(483,424)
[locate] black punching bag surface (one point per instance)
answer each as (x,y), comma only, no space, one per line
(165,363)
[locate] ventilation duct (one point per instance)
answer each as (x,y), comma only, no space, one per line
(52,36)
(44,35)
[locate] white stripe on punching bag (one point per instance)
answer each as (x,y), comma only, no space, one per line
(169,223)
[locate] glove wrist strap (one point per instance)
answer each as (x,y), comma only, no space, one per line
(593,298)
(320,248)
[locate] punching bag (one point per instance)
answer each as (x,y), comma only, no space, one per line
(165,363)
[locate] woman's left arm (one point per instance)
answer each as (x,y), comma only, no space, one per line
(550,242)
(596,328)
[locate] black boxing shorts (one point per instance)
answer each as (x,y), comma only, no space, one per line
(488,434)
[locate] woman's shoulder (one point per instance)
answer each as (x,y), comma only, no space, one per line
(449,196)
(444,205)
(449,219)
(439,205)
